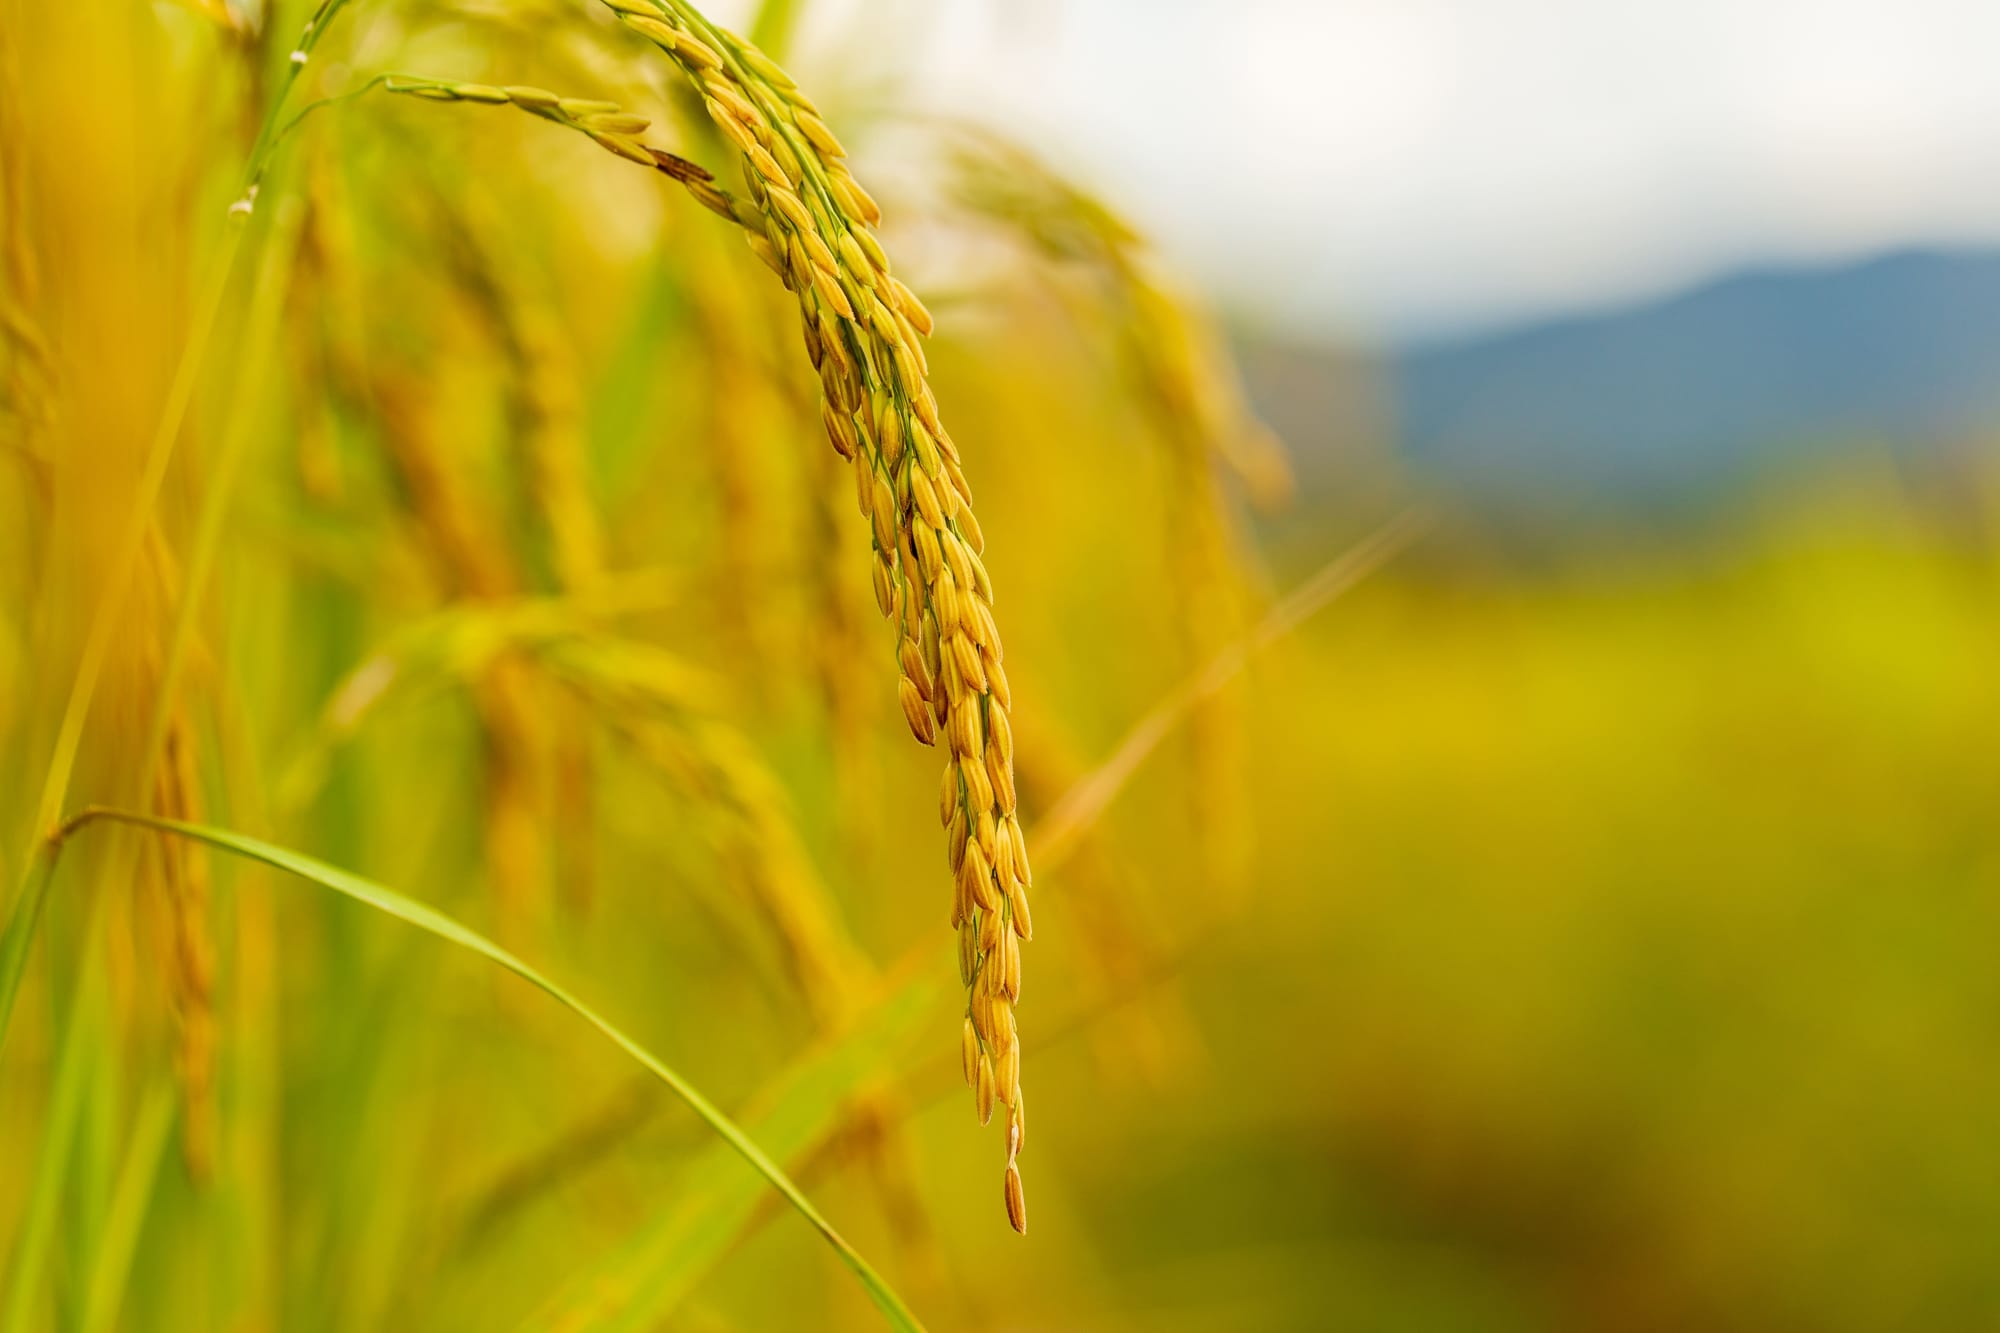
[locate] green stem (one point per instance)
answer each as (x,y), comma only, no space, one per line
(53,1158)
(105,623)
(129,1199)
(37,873)
(285,131)
(110,611)
(266,306)
(268,134)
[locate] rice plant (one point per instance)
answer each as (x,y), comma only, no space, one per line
(417,484)
(486,487)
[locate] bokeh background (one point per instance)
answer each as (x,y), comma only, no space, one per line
(1574,911)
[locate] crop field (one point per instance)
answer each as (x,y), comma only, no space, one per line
(518,813)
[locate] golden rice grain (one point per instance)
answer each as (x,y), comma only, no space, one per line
(809,220)
(883,415)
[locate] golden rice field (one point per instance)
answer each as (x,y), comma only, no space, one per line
(519,815)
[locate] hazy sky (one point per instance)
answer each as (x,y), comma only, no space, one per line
(1377,165)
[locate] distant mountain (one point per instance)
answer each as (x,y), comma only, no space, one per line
(1680,397)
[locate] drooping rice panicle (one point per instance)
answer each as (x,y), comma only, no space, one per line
(863,331)
(811,222)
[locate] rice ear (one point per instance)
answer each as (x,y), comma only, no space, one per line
(811,221)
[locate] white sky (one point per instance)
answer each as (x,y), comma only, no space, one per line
(1422,165)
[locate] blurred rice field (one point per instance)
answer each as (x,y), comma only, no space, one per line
(1591,939)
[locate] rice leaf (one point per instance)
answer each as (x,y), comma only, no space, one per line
(414,913)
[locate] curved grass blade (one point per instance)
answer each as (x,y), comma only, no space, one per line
(414,913)
(641,1282)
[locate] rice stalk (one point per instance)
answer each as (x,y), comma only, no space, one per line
(811,222)
(169,754)
(133,531)
(124,564)
(863,330)
(67,1095)
(125,1215)
(84,1045)
(875,1134)
(79,1139)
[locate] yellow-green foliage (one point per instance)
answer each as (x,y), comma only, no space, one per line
(1604,946)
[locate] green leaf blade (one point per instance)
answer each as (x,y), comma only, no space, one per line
(431,921)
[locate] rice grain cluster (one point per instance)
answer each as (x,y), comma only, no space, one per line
(863,331)
(811,222)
